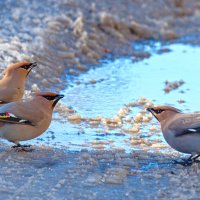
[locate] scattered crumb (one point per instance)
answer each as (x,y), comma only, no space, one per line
(169,86)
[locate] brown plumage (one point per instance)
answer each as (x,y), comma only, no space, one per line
(25,120)
(180,130)
(12,84)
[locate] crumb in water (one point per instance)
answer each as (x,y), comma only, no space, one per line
(169,86)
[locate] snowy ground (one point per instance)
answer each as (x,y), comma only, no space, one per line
(54,174)
(67,37)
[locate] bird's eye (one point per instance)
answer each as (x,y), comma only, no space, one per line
(158,111)
(26,67)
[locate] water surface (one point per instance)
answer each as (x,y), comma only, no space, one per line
(105,89)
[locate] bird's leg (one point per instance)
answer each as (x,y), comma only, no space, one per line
(184,162)
(23,147)
(189,161)
(194,158)
(17,145)
(26,145)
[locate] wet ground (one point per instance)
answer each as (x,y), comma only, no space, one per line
(71,35)
(108,103)
(111,62)
(103,143)
(55,174)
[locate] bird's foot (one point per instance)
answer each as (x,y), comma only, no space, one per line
(184,162)
(188,162)
(26,145)
(20,147)
(195,158)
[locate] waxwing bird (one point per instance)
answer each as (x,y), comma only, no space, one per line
(13,82)
(25,120)
(180,130)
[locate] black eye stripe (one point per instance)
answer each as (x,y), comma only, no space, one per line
(158,111)
(50,98)
(26,67)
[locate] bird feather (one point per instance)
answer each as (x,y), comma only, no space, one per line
(11,118)
(186,124)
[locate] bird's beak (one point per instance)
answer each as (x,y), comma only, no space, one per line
(58,97)
(31,67)
(151,110)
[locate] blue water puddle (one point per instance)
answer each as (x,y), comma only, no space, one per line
(152,166)
(118,82)
(123,81)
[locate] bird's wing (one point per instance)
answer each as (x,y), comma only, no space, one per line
(186,124)
(28,111)
(188,131)
(8,117)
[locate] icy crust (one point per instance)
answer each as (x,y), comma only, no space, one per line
(138,128)
(56,174)
(122,117)
(67,35)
